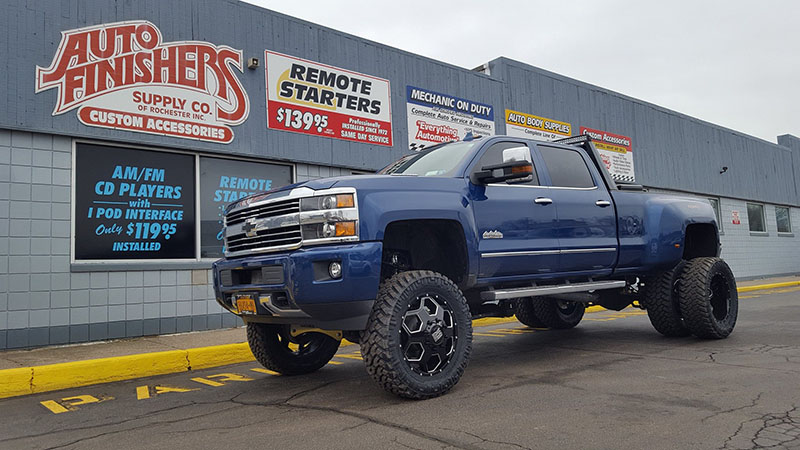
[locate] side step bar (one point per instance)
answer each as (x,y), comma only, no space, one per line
(534,291)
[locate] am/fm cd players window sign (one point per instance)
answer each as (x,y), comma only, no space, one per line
(312,98)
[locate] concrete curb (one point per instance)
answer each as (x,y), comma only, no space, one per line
(53,377)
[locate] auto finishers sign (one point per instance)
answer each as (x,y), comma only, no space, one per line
(124,76)
(312,98)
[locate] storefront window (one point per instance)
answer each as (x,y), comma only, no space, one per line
(223,181)
(783,217)
(133,204)
(715,204)
(755,217)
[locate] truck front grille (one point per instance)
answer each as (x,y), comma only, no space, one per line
(264,239)
(263,211)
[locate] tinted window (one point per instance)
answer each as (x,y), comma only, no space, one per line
(755,217)
(494,155)
(783,218)
(566,167)
(715,204)
(224,181)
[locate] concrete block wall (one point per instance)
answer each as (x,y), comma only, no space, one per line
(41,301)
(755,255)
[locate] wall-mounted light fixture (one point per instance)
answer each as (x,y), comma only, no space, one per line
(252,63)
(724,169)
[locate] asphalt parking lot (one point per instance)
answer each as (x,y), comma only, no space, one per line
(612,382)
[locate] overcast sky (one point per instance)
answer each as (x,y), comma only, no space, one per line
(732,63)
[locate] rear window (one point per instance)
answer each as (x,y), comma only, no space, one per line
(566,167)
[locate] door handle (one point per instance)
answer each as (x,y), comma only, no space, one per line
(602,203)
(543,201)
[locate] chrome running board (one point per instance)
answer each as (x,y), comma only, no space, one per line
(535,291)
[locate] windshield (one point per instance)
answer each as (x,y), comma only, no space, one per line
(439,161)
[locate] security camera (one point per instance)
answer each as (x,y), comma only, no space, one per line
(724,169)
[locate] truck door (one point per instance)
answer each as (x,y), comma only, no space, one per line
(586,224)
(515,221)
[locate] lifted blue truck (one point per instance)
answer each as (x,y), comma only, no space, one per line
(402,261)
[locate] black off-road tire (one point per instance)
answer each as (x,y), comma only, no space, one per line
(708,298)
(270,346)
(381,342)
(661,301)
(558,314)
(526,315)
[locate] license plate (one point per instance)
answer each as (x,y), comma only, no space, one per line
(246,305)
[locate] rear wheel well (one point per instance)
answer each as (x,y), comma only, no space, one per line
(426,244)
(701,240)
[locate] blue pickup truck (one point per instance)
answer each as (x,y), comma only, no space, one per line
(402,261)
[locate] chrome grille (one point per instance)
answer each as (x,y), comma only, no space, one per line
(263,211)
(264,239)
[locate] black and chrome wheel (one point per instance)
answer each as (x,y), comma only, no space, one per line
(428,336)
(276,349)
(709,301)
(419,336)
(558,314)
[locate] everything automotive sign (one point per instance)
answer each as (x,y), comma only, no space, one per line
(434,118)
(312,98)
(123,76)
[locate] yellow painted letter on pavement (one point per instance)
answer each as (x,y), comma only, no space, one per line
(67,404)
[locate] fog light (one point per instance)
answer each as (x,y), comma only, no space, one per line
(335,269)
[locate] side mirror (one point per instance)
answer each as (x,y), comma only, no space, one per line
(516,165)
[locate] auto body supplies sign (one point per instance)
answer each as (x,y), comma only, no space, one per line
(311,98)
(616,152)
(534,127)
(124,76)
(434,118)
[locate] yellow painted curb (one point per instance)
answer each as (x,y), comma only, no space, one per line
(768,286)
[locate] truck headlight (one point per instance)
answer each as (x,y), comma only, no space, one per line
(329,230)
(327,202)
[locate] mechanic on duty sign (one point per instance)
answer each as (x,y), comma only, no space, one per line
(312,98)
(615,151)
(434,118)
(124,76)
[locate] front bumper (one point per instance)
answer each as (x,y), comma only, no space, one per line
(299,289)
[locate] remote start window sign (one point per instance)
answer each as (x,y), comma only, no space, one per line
(133,204)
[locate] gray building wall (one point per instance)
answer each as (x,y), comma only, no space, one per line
(670,150)
(44,299)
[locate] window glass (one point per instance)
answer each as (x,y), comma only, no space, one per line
(566,167)
(223,181)
(494,155)
(755,217)
(439,161)
(783,217)
(133,204)
(715,204)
